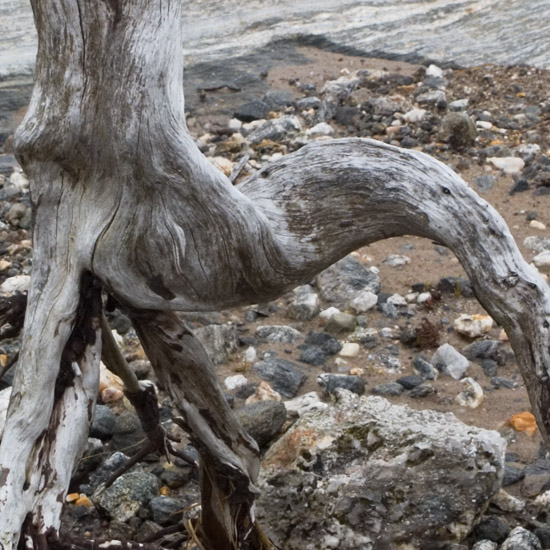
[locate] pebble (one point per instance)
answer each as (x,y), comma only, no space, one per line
(341,322)
(264,392)
(364,301)
(492,528)
(509,165)
(262,420)
(422,391)
(506,502)
(458,130)
(305,403)
(104,422)
(434,71)
(350,349)
(278,334)
(388,389)
(329,312)
(397,260)
(459,104)
(425,368)
(305,304)
(415,115)
(485,183)
(534,224)
(166,510)
(436,97)
(473,326)
(411,381)
(485,545)
(234,382)
(285,376)
(448,359)
(521,539)
(484,125)
(331,382)
(313,355)
(321,129)
(542,260)
(17,283)
(472,396)
(325,341)
(397,300)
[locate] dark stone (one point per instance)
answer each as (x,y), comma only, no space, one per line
(246,391)
(121,323)
(485,183)
(332,382)
(422,391)
(166,510)
(128,432)
(275,99)
(308,103)
(425,368)
(409,142)
(456,285)
(519,187)
(388,389)
(175,477)
(543,534)
(482,349)
(313,356)
(326,342)
(7,164)
(512,474)
(104,422)
(540,466)
(346,115)
(262,420)
(407,336)
(411,381)
(285,376)
(252,110)
(115,461)
(458,130)
(489,368)
(492,528)
(498,383)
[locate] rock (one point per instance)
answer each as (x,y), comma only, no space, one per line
(219,341)
(252,110)
(327,313)
(489,367)
(512,474)
(459,104)
(313,355)
(305,305)
(519,187)
(222,164)
(424,368)
(276,99)
(278,334)
(521,539)
(415,115)
(509,165)
(448,359)
(332,382)
(127,494)
(321,129)
(434,71)
(264,392)
(483,349)
(458,130)
(397,300)
(473,326)
(305,403)
(485,545)
(262,420)
(422,391)
(336,91)
(388,389)
(397,260)
(534,224)
(498,382)
(537,244)
(492,528)
(368,337)
(542,260)
(508,503)
(166,510)
(456,285)
(275,129)
(364,301)
(234,382)
(528,151)
(285,376)
(373,461)
(341,322)
(411,381)
(306,103)
(471,397)
(436,98)
(485,183)
(17,283)
(342,281)
(104,422)
(326,342)
(350,349)
(127,431)
(543,534)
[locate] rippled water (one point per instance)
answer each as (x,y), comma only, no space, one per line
(466,32)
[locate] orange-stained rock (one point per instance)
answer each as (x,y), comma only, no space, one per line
(523,422)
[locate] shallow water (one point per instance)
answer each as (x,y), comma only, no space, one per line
(464,32)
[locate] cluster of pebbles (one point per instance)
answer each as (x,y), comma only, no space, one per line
(397,319)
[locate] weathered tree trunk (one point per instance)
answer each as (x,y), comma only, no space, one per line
(123,198)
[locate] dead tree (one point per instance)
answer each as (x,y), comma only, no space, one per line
(124,201)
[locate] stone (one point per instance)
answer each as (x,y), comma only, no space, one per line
(320,129)
(276,99)
(350,349)
(104,422)
(264,392)
(543,534)
(373,461)
(422,391)
(509,165)
(285,376)
(424,368)
(327,313)
(435,98)
(397,260)
(459,104)
(459,130)
(219,341)
(166,510)
(434,71)
(415,115)
(305,304)
(306,103)
(521,539)
(262,420)
(542,260)
(275,129)
(489,367)
(364,301)
(534,224)
(508,503)
(411,381)
(281,334)
(341,322)
(528,151)
(472,396)
(235,382)
(127,494)
(312,355)
(448,359)
(498,382)
(456,285)
(397,300)
(252,110)
(325,341)
(332,382)
(537,244)
(305,403)
(485,545)
(336,91)
(485,183)
(388,389)
(492,528)
(17,283)
(483,349)
(342,281)
(127,432)
(473,326)
(367,337)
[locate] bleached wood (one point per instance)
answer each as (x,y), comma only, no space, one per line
(119,190)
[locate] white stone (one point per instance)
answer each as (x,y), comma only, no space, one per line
(434,71)
(542,260)
(18,283)
(329,312)
(459,104)
(483,124)
(411,297)
(234,382)
(424,297)
(350,349)
(508,503)
(471,397)
(509,165)
(454,362)
(528,151)
(364,301)
(397,300)
(473,326)
(388,333)
(485,545)
(534,224)
(250,355)
(264,392)
(414,115)
(305,403)
(235,124)
(397,260)
(19,180)
(321,129)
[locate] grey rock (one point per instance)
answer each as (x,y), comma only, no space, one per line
(175,477)
(340,282)
(498,382)
(512,474)
(459,104)
(543,534)
(127,432)
(276,129)
(332,382)
(103,424)
(219,341)
(422,391)
(448,359)
(282,334)
(276,99)
(389,362)
(485,545)
(456,285)
(411,381)
(435,97)
(262,420)
(166,510)
(521,539)
(141,368)
(285,376)
(115,461)
(252,110)
(313,355)
(373,460)
(307,103)
(326,342)
(489,367)
(127,494)
(482,349)
(424,368)
(388,389)
(485,183)
(305,305)
(459,130)
(341,322)
(492,528)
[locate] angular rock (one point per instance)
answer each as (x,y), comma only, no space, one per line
(264,392)
(411,381)
(305,305)
(472,396)
(278,334)
(341,322)
(509,165)
(219,341)
(459,130)
(485,183)
(312,355)
(448,359)
(305,403)
(127,432)
(332,382)
(364,301)
(422,391)
(388,389)
(104,422)
(342,281)
(262,420)
(275,129)
(253,110)
(397,260)
(492,528)
(166,510)
(473,326)
(372,462)
(521,539)
(285,376)
(485,545)
(235,382)
(424,368)
(483,349)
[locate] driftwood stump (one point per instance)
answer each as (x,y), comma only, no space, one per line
(124,201)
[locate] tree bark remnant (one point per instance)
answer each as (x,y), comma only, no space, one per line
(123,198)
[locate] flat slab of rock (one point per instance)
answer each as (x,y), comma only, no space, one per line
(370,474)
